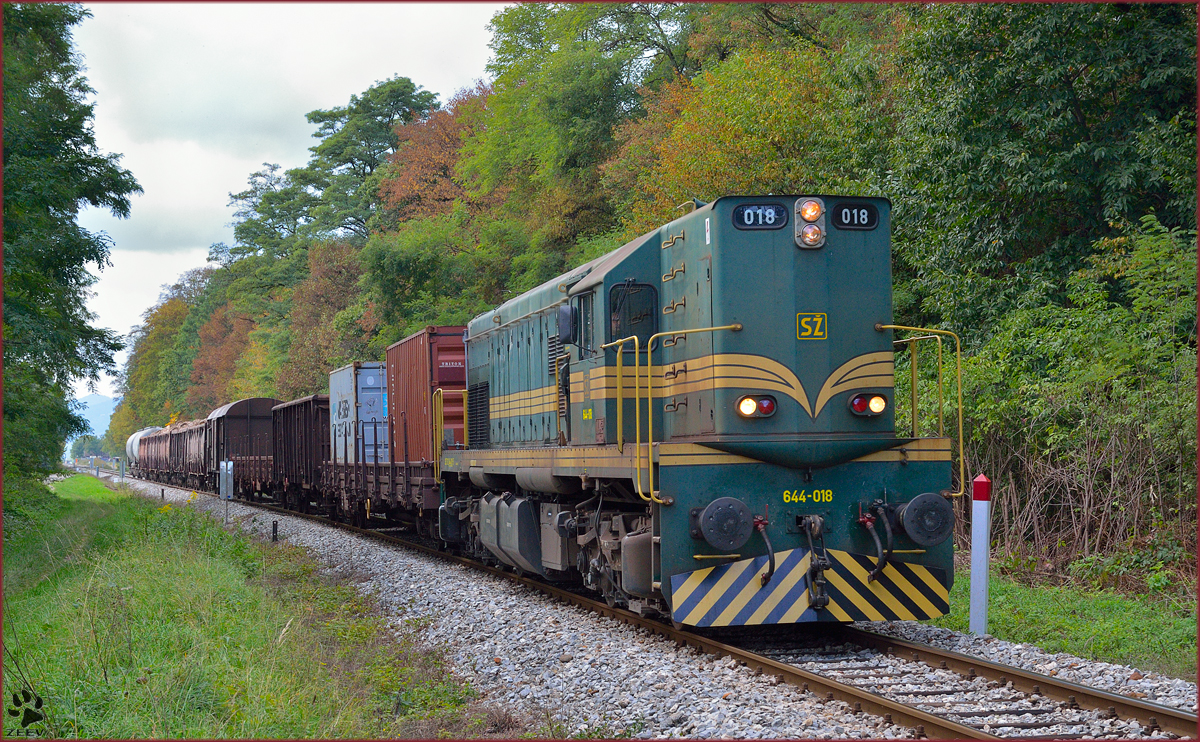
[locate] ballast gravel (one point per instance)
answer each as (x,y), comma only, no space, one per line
(1127,681)
(577,673)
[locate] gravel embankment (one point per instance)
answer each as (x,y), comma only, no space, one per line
(557,663)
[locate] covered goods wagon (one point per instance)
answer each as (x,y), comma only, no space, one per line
(241,432)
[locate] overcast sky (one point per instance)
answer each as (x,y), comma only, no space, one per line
(197,96)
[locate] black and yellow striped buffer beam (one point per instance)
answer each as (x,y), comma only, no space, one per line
(733,594)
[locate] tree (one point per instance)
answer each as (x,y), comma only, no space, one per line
(420,179)
(318,344)
(744,127)
(52,168)
(143,401)
(1028,131)
(85,446)
(271,216)
(222,340)
(355,140)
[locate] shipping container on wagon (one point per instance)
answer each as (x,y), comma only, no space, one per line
(435,357)
(241,432)
(358,409)
(301,441)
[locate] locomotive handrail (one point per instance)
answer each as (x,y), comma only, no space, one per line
(913,365)
(438,421)
(559,412)
(637,407)
(962,464)
(466,431)
(735,327)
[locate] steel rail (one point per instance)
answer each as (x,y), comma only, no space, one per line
(1151,715)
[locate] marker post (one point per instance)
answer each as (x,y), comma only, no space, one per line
(981,547)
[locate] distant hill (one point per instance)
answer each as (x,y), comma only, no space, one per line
(97,409)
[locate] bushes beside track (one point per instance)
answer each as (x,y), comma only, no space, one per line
(1151,632)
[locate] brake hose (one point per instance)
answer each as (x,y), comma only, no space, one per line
(760,523)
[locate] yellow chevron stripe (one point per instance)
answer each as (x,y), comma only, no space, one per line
(842,379)
(928,578)
(743,371)
(874,588)
(912,592)
(760,614)
(869,610)
(690,584)
(710,599)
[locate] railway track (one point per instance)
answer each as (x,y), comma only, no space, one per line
(937,693)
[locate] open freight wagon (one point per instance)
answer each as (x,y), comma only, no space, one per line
(385,464)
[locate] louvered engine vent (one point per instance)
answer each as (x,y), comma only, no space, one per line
(479,421)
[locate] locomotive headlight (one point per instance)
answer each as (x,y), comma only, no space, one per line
(868,405)
(756,406)
(811,234)
(810,211)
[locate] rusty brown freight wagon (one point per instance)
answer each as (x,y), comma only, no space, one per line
(175,454)
(301,439)
(241,432)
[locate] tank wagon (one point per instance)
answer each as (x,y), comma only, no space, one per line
(700,424)
(131,448)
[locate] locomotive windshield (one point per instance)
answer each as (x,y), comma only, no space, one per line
(634,311)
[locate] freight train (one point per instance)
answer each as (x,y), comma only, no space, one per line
(699,425)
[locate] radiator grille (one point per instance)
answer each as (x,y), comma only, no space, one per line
(554,349)
(479,421)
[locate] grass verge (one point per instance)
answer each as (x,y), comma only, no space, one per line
(1147,632)
(131,620)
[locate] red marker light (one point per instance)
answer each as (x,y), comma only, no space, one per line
(859,404)
(766,406)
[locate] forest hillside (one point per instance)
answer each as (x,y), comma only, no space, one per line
(1041,160)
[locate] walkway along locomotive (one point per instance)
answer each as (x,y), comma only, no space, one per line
(699,424)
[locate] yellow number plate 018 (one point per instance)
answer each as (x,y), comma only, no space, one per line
(811,326)
(806,496)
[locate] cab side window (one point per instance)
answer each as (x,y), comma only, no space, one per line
(633,310)
(587,323)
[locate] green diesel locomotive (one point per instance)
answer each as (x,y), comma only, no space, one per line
(701,424)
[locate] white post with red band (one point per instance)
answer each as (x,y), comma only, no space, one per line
(981,547)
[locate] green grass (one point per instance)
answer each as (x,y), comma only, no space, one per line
(1150,633)
(132,620)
